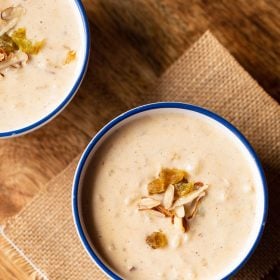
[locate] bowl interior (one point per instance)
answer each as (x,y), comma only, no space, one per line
(80,193)
(79,74)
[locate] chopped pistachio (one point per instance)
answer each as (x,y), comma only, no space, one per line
(12,12)
(198,184)
(180,211)
(178,223)
(157,240)
(24,44)
(179,199)
(3,55)
(153,213)
(182,188)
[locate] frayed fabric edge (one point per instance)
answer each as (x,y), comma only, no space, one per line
(37,274)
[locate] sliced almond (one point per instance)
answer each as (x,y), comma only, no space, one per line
(186,224)
(15,60)
(3,55)
(189,197)
(148,203)
(10,18)
(178,223)
(164,211)
(195,206)
(154,213)
(168,197)
(12,12)
(180,211)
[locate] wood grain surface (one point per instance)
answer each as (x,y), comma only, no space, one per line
(133,43)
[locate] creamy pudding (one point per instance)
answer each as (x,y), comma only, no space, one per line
(117,184)
(47,55)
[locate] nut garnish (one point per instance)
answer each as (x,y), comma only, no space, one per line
(168,197)
(154,213)
(9,18)
(189,197)
(180,211)
(180,202)
(157,240)
(12,12)
(24,44)
(167,176)
(15,48)
(148,203)
(14,41)
(16,60)
(164,211)
(195,207)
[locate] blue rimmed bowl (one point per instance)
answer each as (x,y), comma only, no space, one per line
(76,84)
(123,119)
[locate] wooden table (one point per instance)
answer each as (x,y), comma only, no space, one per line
(133,43)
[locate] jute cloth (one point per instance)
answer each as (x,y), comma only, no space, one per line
(206,75)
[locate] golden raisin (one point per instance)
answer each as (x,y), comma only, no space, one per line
(172,176)
(157,240)
(156,186)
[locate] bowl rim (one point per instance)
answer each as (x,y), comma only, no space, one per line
(153,106)
(58,109)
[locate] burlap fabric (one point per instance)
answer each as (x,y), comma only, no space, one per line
(206,75)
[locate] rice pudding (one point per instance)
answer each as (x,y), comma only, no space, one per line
(45,53)
(116,187)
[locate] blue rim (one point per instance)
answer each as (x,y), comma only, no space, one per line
(135,111)
(73,91)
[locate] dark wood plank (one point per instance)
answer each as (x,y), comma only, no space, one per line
(28,162)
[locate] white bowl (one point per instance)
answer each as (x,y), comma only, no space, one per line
(76,84)
(146,109)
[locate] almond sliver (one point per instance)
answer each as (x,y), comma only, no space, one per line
(148,203)
(164,211)
(18,58)
(178,223)
(195,207)
(168,197)
(10,18)
(189,197)
(154,213)
(180,211)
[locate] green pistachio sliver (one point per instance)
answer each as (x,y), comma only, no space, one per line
(183,188)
